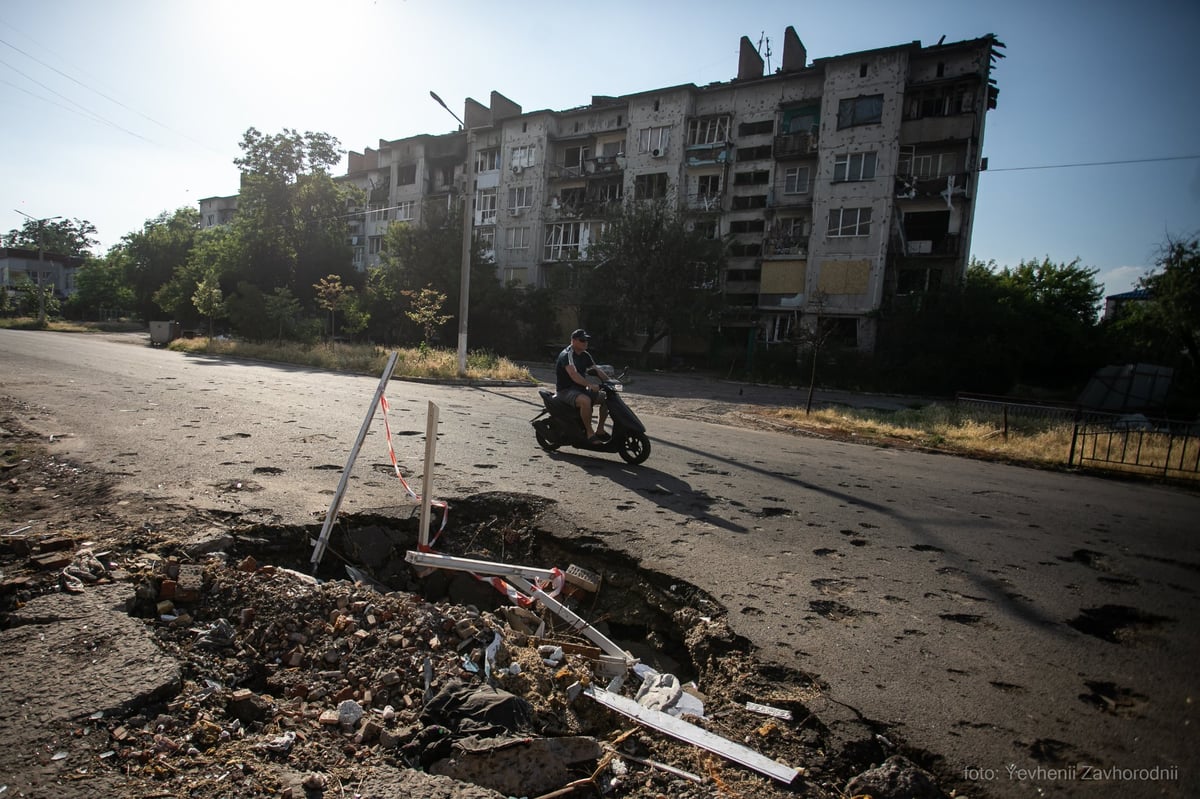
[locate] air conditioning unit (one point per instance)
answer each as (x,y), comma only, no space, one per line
(515,211)
(657,152)
(516,170)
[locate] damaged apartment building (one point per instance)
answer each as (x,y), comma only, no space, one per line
(844,186)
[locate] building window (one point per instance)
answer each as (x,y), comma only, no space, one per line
(562,241)
(655,139)
(374,244)
(606,191)
(487,160)
(865,110)
(516,238)
(406,174)
(935,165)
(747,226)
(854,166)
(404,211)
(757,178)
(652,186)
(749,201)
(918,281)
(754,153)
(709,230)
(796,180)
(795,227)
(939,102)
(380,212)
(574,158)
(524,156)
(485,206)
(850,222)
(755,128)
(520,197)
(708,130)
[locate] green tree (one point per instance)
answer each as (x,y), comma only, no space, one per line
(216,251)
(74,237)
(426,310)
(332,295)
(282,308)
(209,299)
(291,217)
(100,284)
(151,256)
(28,303)
(654,275)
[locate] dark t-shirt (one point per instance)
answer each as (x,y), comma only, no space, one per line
(583,362)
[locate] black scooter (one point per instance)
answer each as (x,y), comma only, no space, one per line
(563,427)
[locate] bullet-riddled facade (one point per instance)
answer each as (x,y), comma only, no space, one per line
(844,186)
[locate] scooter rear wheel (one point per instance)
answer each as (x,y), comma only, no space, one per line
(635,448)
(545,442)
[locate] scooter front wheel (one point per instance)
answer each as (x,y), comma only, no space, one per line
(635,448)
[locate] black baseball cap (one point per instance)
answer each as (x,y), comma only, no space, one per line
(580,334)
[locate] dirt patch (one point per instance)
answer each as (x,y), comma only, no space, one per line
(281,684)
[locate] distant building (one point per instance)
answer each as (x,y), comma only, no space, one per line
(55,270)
(845,186)
(216,211)
(1115,304)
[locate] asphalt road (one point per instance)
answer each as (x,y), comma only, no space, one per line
(1037,629)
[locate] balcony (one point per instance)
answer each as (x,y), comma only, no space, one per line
(603,165)
(785,246)
(938,247)
(781,198)
(796,145)
(704,202)
(911,187)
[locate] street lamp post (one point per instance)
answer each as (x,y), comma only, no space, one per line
(41,246)
(468,223)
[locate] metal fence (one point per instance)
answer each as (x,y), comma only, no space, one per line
(1136,443)
(1099,439)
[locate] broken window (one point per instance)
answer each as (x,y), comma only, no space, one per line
(805,119)
(757,178)
(708,185)
(863,110)
(487,160)
(940,101)
(563,241)
(708,130)
(404,210)
(406,174)
(854,166)
(796,180)
(918,281)
(651,186)
(849,222)
(747,226)
(755,128)
(607,191)
(574,157)
(749,201)
(523,156)
(654,140)
(754,153)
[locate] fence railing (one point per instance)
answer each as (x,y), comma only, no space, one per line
(1100,439)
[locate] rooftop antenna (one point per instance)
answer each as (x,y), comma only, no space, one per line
(765,40)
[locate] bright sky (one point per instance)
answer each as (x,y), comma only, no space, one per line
(118,110)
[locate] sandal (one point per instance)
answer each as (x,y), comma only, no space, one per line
(595,439)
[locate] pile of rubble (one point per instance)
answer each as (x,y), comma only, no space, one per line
(271,683)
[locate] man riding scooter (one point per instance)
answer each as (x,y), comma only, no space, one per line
(573,388)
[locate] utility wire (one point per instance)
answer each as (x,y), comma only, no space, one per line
(101,94)
(1094,163)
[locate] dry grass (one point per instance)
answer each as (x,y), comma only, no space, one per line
(937,427)
(365,359)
